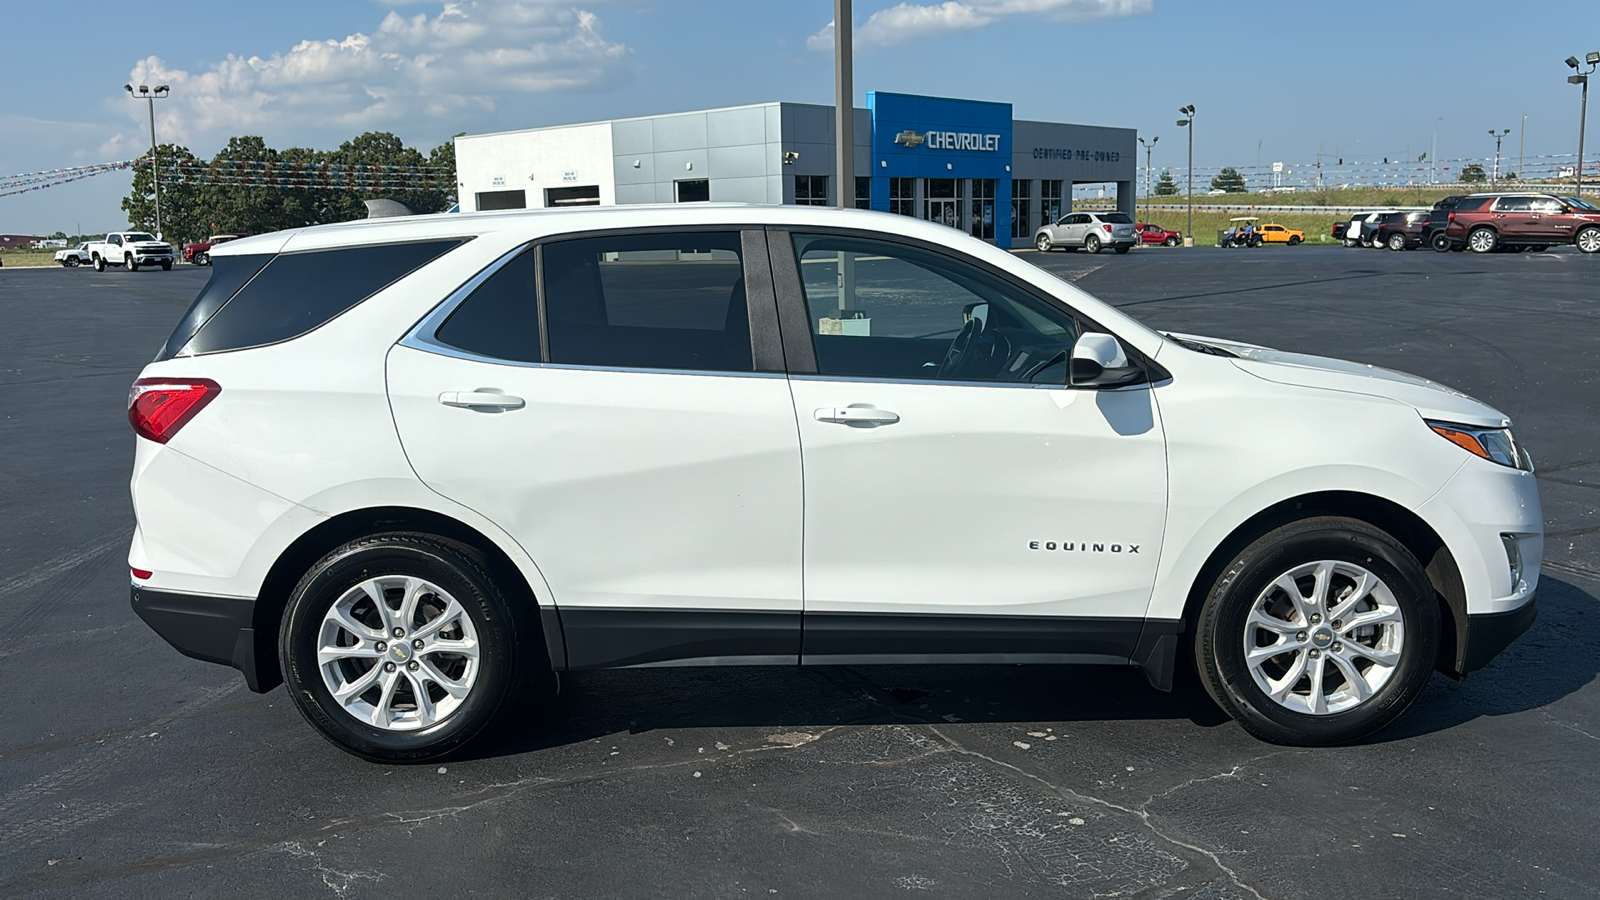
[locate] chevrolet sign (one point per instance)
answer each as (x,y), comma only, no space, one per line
(909,138)
(949,140)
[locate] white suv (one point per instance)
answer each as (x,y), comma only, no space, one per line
(409,465)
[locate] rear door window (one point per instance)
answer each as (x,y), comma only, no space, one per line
(655,301)
(1513,204)
(500,318)
(298,292)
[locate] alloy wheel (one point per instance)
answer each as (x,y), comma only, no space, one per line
(1324,637)
(398,653)
(1589,240)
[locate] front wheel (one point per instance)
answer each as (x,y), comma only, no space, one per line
(399,647)
(202,259)
(1397,242)
(1171,242)
(1588,240)
(1043,243)
(166,266)
(1348,242)
(1294,240)
(1091,244)
(99,263)
(1319,633)
(1483,240)
(127,261)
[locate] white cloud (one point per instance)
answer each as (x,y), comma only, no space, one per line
(420,74)
(910,21)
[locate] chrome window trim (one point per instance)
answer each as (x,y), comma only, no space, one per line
(869,379)
(421,335)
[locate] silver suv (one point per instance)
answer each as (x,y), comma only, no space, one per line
(1091,231)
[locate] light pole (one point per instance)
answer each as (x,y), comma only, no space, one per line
(1522,138)
(1593,59)
(1498,136)
(150,97)
(844,109)
(1149,148)
(1188,122)
(1432,154)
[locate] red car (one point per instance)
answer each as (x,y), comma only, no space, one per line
(1155,234)
(200,253)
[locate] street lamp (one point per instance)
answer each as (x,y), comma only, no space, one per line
(1593,59)
(1498,137)
(1149,148)
(1433,152)
(150,97)
(1188,122)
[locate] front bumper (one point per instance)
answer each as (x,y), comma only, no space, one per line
(204,627)
(143,258)
(1490,633)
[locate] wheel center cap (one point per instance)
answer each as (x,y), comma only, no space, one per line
(1322,638)
(399,652)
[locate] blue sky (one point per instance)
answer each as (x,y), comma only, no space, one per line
(1358,79)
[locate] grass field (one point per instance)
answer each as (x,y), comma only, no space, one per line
(22,258)
(1208,222)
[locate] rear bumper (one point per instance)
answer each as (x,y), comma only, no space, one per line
(204,627)
(1490,633)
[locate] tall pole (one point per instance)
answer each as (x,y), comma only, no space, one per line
(155,161)
(843,105)
(1522,137)
(1433,152)
(1188,122)
(1583,118)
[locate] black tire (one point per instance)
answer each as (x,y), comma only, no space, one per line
(1441,242)
(1122,248)
(1171,242)
(1294,240)
(1483,239)
(129,264)
(1091,244)
(1042,242)
(1397,241)
(99,263)
(166,266)
(202,259)
(453,568)
(1220,635)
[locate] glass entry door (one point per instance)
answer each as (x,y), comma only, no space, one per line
(944,201)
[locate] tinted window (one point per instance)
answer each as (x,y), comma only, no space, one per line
(667,301)
(1514,204)
(1447,203)
(228,274)
(694,191)
(912,308)
(1116,218)
(1472,204)
(297,292)
(502,200)
(501,317)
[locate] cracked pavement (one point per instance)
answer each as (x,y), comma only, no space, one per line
(126,769)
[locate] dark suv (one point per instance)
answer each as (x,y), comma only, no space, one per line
(1438,218)
(1399,230)
(1484,223)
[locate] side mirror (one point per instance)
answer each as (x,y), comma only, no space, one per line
(1098,360)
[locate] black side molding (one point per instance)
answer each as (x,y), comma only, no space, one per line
(1490,633)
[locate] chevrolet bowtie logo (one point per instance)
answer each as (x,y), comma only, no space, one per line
(909,138)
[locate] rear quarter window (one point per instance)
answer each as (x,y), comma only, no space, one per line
(295,293)
(1116,218)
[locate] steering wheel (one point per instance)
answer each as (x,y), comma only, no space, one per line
(974,344)
(958,348)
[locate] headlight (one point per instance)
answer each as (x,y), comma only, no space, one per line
(1493,444)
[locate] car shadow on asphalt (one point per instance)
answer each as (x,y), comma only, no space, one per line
(1557,657)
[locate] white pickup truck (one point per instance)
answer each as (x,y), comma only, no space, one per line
(131,249)
(75,256)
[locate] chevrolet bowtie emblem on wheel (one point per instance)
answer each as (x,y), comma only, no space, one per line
(909,138)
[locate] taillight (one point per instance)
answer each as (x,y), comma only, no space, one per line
(158,407)
(1452,219)
(141,574)
(1106,227)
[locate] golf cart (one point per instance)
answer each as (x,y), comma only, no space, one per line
(1241,233)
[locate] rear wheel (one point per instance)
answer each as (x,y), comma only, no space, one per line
(1043,243)
(1397,242)
(1441,242)
(1482,240)
(1588,239)
(1318,633)
(1123,248)
(1091,244)
(1349,242)
(399,647)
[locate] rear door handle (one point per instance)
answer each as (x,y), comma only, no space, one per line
(856,415)
(481,399)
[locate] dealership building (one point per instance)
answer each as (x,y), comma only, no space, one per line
(965,163)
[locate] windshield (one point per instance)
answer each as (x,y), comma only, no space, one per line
(1579,203)
(138,236)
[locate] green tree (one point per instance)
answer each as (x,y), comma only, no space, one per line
(181,203)
(1229,180)
(1165,186)
(1474,173)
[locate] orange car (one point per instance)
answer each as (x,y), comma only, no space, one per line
(1277,234)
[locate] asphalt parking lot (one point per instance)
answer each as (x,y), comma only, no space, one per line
(126,769)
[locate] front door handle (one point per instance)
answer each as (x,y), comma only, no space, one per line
(481,399)
(856,415)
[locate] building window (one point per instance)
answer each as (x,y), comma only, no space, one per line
(695,191)
(587,195)
(811,190)
(1049,201)
(863,192)
(1021,195)
(902,196)
(502,200)
(981,224)
(943,201)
